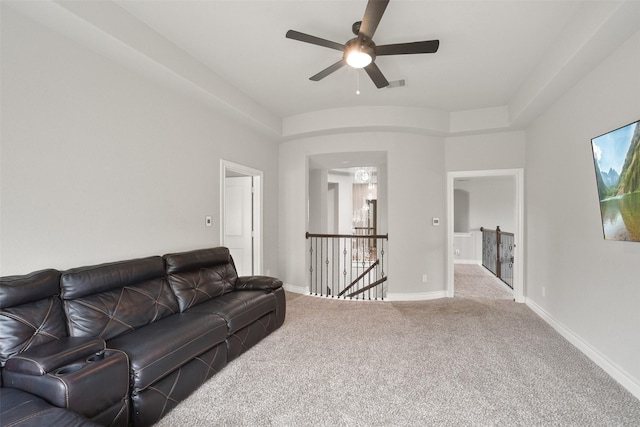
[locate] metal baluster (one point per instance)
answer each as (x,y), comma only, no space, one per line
(311,265)
(358,260)
(316,265)
(323,267)
(333,261)
(322,240)
(351,260)
(376,272)
(369,283)
(362,261)
(382,263)
(344,273)
(329,275)
(362,270)
(369,275)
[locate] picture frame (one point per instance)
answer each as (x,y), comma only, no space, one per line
(616,158)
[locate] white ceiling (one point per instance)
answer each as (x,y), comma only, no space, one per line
(487,48)
(513,56)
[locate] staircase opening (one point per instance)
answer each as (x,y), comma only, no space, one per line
(347,211)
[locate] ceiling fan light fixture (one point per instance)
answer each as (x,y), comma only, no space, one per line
(359,54)
(361,51)
(358,59)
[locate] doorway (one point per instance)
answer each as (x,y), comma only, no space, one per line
(241,216)
(518,223)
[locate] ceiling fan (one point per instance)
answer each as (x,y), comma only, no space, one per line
(361,51)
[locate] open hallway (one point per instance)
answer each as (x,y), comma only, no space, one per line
(475,281)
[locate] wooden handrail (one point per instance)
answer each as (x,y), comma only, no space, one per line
(358,236)
(482,229)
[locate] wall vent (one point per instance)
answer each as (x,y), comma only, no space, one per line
(397,83)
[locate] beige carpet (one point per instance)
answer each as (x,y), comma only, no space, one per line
(475,281)
(447,362)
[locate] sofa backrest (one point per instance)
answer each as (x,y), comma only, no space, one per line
(200,275)
(108,300)
(30,312)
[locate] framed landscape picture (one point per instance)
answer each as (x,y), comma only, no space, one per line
(616,156)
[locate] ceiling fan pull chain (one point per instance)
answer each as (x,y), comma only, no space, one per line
(357,82)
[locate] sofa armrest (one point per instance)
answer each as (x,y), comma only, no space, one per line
(52,355)
(91,385)
(257,283)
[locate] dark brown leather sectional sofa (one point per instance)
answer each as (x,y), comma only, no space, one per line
(122,343)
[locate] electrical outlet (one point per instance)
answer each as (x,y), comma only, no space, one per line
(424,278)
(208,221)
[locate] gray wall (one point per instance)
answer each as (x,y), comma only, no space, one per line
(99,163)
(461,211)
(491,202)
(500,150)
(591,285)
(413,162)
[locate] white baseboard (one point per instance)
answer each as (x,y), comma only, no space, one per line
(618,374)
(467,261)
(420,296)
(295,288)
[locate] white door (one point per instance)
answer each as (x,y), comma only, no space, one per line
(238,218)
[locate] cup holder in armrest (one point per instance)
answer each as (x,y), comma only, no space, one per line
(68,369)
(96,357)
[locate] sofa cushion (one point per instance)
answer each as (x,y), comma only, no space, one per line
(200,275)
(195,260)
(21,409)
(109,300)
(30,312)
(163,346)
(239,308)
(193,287)
(89,280)
(18,290)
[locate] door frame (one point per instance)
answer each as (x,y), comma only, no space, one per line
(257,212)
(518,267)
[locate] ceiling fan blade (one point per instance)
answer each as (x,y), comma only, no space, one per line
(330,69)
(430,46)
(296,35)
(376,75)
(372,16)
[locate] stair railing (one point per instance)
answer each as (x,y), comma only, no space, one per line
(498,253)
(347,266)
